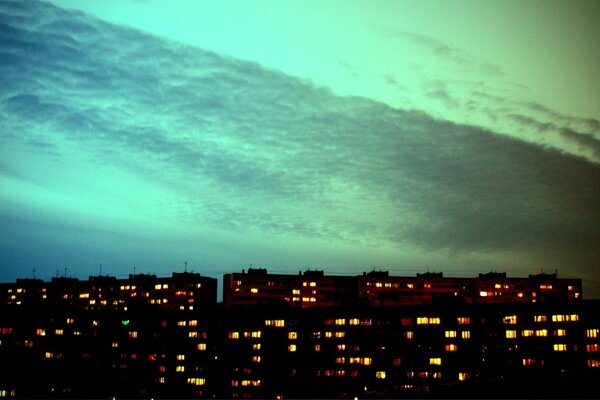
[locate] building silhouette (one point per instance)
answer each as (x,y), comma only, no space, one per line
(308,335)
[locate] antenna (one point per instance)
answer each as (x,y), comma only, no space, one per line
(185,268)
(33,273)
(134,272)
(65,272)
(100,269)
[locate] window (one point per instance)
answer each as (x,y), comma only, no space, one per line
(511,334)
(180,368)
(541,333)
(559,318)
(409,335)
(465,334)
(292,348)
(317,347)
(292,335)
(527,332)
(560,332)
(592,348)
(509,320)
(435,361)
(450,334)
(540,318)
(528,361)
(428,320)
(340,321)
(253,290)
(380,374)
(451,347)
(340,334)
(591,333)
(593,363)
(256,359)
(59,332)
(463,376)
(278,323)
(255,346)
(180,357)
(133,334)
(40,332)
(560,347)
(234,335)
(340,360)
(196,381)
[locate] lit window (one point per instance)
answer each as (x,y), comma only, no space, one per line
(256,334)
(380,374)
(157,287)
(558,318)
(317,347)
(545,287)
(541,332)
(291,347)
(463,376)
(340,334)
(527,332)
(253,290)
(193,323)
(560,332)
(435,361)
(292,335)
(201,346)
(114,345)
(278,323)
(58,332)
(511,334)
(593,363)
(40,332)
(341,347)
(180,357)
(397,362)
(451,347)
(528,361)
(428,321)
(180,368)
(427,285)
(465,334)
(192,334)
(509,320)
(409,335)
(573,318)
(483,293)
(133,334)
(165,286)
(450,334)
(340,321)
(410,285)
(49,355)
(296,291)
(354,321)
(560,347)
(592,333)
(234,335)
(256,359)
(540,318)
(340,360)
(313,284)
(592,348)
(196,381)
(255,346)
(84,296)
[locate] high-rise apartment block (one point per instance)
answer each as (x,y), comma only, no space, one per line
(306,335)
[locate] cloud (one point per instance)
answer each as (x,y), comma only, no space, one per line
(245,149)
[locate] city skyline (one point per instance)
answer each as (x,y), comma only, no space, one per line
(234,134)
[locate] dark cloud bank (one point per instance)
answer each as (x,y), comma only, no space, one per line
(287,147)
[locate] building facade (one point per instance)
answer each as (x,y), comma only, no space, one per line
(152,337)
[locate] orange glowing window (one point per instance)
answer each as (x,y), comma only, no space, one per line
(451,347)
(560,347)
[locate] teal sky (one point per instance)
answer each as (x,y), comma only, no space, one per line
(454,136)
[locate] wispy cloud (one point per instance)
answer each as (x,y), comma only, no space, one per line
(248,149)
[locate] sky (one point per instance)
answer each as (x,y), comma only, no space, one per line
(410,136)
